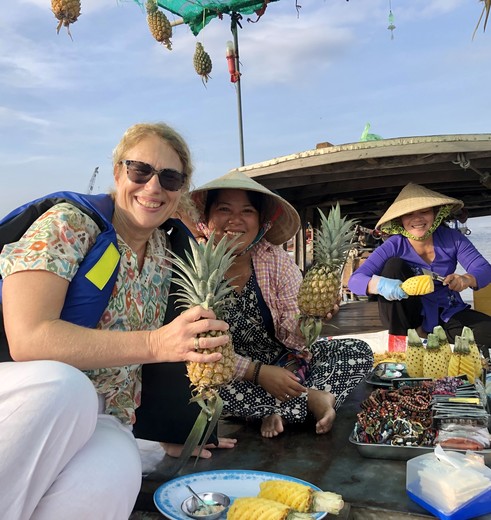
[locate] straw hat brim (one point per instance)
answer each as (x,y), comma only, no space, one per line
(283,228)
(414,197)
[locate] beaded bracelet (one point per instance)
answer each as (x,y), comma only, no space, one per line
(255,374)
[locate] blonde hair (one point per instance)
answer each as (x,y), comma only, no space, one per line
(136,133)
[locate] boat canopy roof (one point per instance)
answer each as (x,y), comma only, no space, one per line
(365,177)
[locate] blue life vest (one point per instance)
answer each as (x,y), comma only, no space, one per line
(91,287)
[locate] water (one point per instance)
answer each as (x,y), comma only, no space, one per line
(481,237)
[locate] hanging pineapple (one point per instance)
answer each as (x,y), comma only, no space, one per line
(461,361)
(201,281)
(158,24)
(415,353)
(320,289)
(475,353)
(443,340)
(202,62)
(434,361)
(67,12)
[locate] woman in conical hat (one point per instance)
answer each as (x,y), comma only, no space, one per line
(420,239)
(277,381)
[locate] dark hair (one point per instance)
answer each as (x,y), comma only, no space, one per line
(258,201)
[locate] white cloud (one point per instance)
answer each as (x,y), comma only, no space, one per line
(7,114)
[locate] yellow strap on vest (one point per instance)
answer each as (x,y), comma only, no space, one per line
(102,271)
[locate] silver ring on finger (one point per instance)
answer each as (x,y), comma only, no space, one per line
(196,344)
(287,396)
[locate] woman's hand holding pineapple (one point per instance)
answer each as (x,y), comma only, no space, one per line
(176,341)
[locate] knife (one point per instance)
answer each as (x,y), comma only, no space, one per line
(433,275)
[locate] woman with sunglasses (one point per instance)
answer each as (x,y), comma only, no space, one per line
(67,406)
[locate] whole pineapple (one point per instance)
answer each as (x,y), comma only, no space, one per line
(201,281)
(435,364)
(320,289)
(415,353)
(158,24)
(202,62)
(67,12)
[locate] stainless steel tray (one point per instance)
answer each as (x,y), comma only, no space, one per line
(386,451)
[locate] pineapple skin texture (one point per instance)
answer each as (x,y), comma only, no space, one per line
(205,376)
(202,62)
(414,361)
(319,291)
(418,285)
(434,364)
(66,11)
(159,25)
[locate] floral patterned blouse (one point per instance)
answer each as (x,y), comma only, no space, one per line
(57,242)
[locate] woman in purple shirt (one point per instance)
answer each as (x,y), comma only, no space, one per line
(421,240)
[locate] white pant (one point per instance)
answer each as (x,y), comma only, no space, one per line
(59,458)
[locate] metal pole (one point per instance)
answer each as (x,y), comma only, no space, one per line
(235,18)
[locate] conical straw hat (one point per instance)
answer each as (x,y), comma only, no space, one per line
(414,197)
(284,227)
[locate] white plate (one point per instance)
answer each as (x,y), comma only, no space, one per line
(234,483)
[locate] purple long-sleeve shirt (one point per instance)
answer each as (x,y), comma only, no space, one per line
(451,248)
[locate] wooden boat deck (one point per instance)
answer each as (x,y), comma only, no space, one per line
(354,317)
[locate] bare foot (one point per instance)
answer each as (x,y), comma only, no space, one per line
(321,404)
(272,426)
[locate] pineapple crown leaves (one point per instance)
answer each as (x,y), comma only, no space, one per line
(467,333)
(413,339)
(433,343)
(461,345)
(334,237)
(151,6)
(311,328)
(440,332)
(200,432)
(201,274)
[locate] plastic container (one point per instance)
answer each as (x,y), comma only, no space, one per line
(450,485)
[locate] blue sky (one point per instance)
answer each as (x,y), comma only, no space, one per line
(308,77)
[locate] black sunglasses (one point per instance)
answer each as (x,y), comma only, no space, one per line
(140,173)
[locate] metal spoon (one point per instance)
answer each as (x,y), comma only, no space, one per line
(207,506)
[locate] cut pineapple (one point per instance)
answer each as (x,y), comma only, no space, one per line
(442,339)
(418,285)
(434,362)
(301,497)
(461,361)
(475,353)
(254,508)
